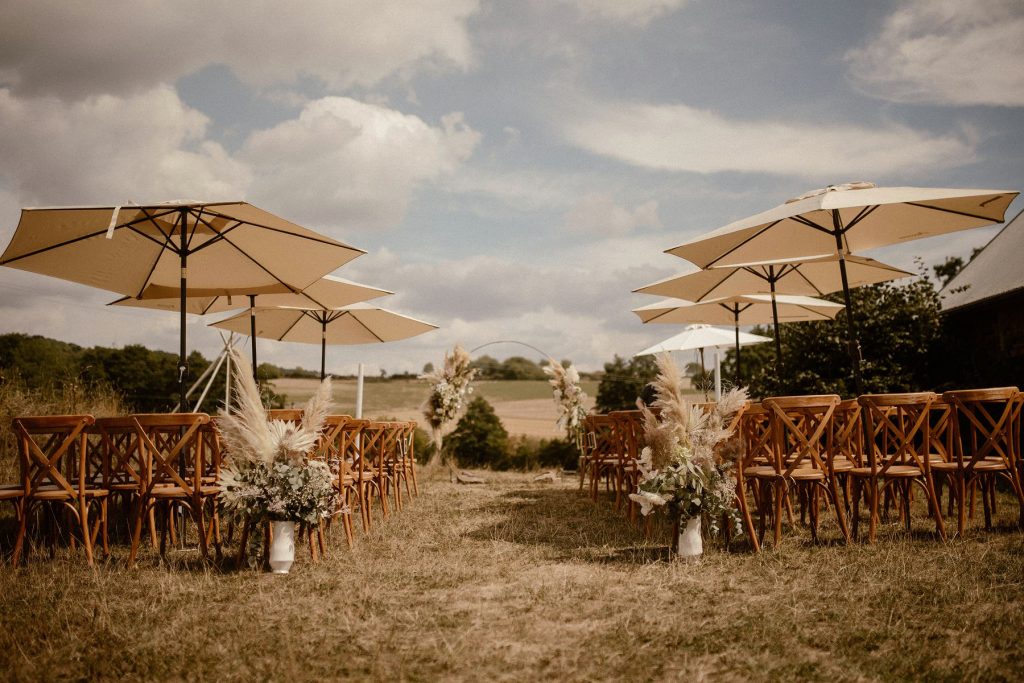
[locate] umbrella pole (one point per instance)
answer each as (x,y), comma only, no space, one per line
(775,321)
(736,318)
(323,349)
(703,374)
(852,342)
(252,334)
(182,363)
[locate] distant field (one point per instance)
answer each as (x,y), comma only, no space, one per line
(525,407)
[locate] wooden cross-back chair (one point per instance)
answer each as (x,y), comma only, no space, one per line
(627,431)
(597,460)
(801,459)
(898,455)
(285,414)
(178,472)
(985,437)
(124,461)
(52,452)
(374,478)
(331,449)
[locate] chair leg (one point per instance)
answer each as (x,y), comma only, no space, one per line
(936,507)
(23,512)
(243,542)
(780,497)
(840,513)
(745,512)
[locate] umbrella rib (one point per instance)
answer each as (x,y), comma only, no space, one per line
(743,243)
(312,238)
(800,273)
(717,285)
(291,327)
(952,211)
(257,263)
(218,235)
(163,248)
(361,324)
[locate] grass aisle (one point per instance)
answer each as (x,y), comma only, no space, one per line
(515,581)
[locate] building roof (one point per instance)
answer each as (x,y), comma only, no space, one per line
(997,270)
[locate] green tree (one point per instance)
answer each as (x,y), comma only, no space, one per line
(479,437)
(39,361)
(517,367)
(624,382)
(899,328)
(487,367)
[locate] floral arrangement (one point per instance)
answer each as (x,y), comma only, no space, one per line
(449,387)
(268,472)
(687,467)
(569,397)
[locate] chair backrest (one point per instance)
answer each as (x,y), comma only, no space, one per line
(123,450)
(848,431)
(801,431)
(599,439)
(756,434)
(941,430)
(285,414)
(52,452)
(985,424)
(898,429)
(627,434)
(174,447)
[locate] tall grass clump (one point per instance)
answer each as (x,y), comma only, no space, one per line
(68,397)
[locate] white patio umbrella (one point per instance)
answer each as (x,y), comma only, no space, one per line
(747,309)
(359,323)
(181,248)
(810,276)
(844,219)
(699,337)
(327,292)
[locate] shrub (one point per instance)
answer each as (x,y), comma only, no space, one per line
(479,438)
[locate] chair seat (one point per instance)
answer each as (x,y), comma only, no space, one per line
(57,493)
(985,465)
(168,491)
(896,471)
(842,465)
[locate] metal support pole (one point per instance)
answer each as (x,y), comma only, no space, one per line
(736,318)
(183,286)
(718,374)
(252,335)
(775,318)
(852,342)
(359,393)
(323,348)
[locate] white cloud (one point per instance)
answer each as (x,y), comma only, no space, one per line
(682,138)
(75,49)
(346,162)
(103,149)
(951,52)
(597,214)
(638,12)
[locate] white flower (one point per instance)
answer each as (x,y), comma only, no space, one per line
(649,500)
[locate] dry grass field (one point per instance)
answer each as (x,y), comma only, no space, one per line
(524,407)
(516,580)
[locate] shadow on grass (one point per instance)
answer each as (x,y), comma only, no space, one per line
(573,527)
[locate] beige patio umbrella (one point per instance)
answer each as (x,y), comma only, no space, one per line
(844,219)
(180,248)
(327,292)
(359,323)
(746,309)
(811,276)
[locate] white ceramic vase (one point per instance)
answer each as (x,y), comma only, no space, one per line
(690,546)
(282,548)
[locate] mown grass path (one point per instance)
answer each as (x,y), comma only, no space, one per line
(514,580)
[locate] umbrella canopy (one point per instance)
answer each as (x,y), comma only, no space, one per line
(812,276)
(176,248)
(327,292)
(747,309)
(843,219)
(355,324)
(846,218)
(701,337)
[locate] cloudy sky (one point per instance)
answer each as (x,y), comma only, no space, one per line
(514,168)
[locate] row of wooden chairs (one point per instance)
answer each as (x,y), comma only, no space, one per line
(821,451)
(74,467)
